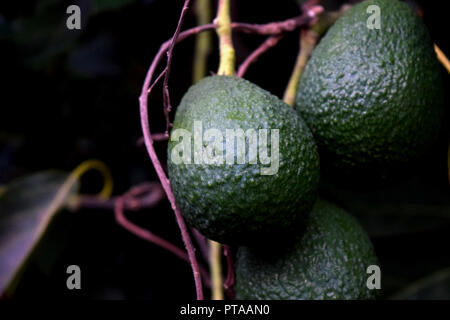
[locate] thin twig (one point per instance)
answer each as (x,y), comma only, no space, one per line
(155,136)
(276,29)
(280,26)
(272,28)
(202,243)
(166,185)
(253,57)
(153,196)
(166,94)
(121,203)
(140,232)
(143,100)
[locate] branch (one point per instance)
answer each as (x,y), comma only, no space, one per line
(280,26)
(130,196)
(133,228)
(143,100)
(167,106)
(202,243)
(253,57)
(153,196)
(272,28)
(308,17)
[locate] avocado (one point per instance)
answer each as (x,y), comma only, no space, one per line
(328,260)
(262,182)
(373,97)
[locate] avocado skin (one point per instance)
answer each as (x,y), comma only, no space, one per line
(373,98)
(327,261)
(234,203)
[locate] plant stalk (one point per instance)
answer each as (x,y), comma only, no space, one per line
(308,40)
(223,29)
(442,58)
(215,254)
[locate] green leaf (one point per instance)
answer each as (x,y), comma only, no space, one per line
(26,208)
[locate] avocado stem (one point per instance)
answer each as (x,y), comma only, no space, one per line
(442,58)
(308,40)
(223,29)
(215,254)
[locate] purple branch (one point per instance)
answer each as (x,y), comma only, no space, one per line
(167,105)
(202,243)
(253,57)
(143,99)
(130,197)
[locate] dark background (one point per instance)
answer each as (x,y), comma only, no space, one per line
(68,96)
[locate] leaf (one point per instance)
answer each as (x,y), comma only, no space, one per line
(26,209)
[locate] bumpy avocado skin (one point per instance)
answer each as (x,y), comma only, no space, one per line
(235,203)
(373,97)
(328,261)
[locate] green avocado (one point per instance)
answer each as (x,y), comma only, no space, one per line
(328,260)
(262,182)
(373,97)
